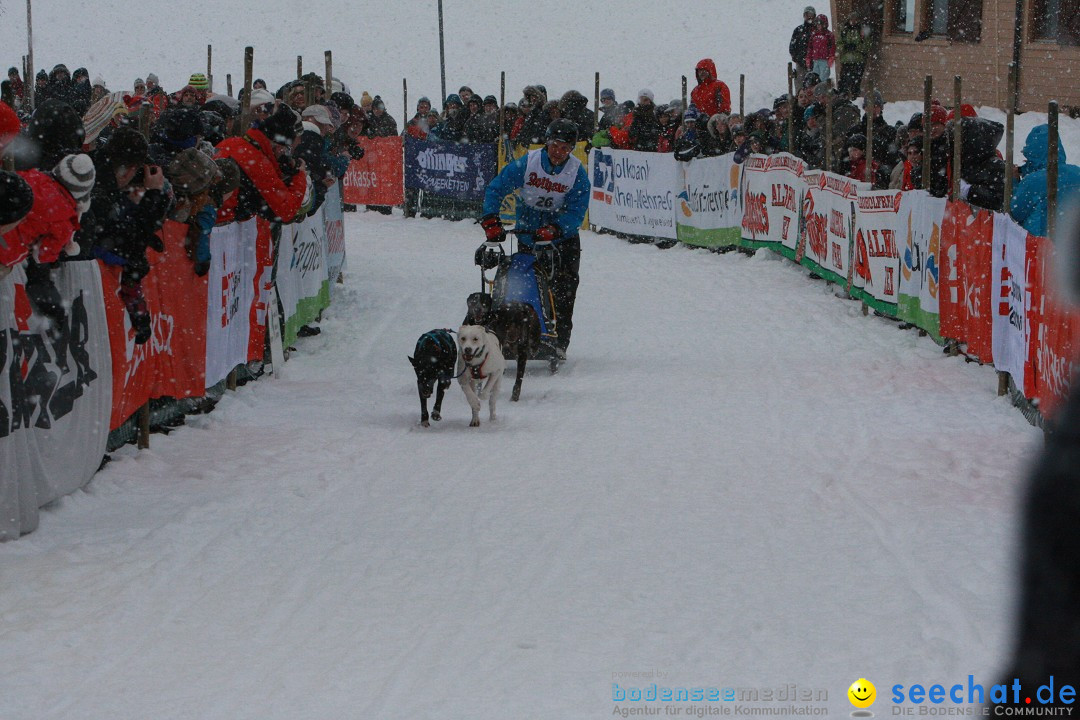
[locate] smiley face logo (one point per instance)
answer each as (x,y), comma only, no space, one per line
(862,693)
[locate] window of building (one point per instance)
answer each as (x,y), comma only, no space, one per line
(957,20)
(1056,20)
(902,16)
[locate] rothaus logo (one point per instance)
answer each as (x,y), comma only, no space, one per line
(442,162)
(546,184)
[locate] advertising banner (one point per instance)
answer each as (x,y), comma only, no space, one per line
(772,193)
(875,261)
(302,282)
(825,234)
(967,241)
(55,393)
(334,221)
(921,217)
(1011,299)
(378,177)
(709,210)
(1055,333)
(230,296)
(456,171)
(633,192)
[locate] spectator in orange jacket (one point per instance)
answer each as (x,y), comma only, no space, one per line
(711,96)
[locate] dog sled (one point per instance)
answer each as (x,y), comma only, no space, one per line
(524,276)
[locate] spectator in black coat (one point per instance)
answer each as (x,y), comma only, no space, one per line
(610,111)
(800,41)
(575,107)
(886,150)
(54,130)
(380,122)
(645,128)
(982,172)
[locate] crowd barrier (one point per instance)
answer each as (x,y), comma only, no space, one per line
(62,390)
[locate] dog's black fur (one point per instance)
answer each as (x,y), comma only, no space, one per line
(433,361)
(516,326)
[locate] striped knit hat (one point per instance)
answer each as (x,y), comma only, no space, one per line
(199,81)
(77,174)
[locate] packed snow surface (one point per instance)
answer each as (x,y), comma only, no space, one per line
(737,480)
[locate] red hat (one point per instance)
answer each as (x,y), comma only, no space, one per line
(965,111)
(9,122)
(938,115)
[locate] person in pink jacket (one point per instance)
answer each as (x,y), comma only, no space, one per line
(821,50)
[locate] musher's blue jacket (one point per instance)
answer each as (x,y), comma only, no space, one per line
(569,217)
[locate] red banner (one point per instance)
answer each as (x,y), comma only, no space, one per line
(264,261)
(378,178)
(1055,331)
(173,362)
(966,287)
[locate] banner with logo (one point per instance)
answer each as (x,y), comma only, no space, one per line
(302,279)
(825,234)
(1013,250)
(55,394)
(709,209)
(967,241)
(921,217)
(875,273)
(261,286)
(772,192)
(456,171)
(334,221)
(378,177)
(234,273)
(1055,333)
(634,192)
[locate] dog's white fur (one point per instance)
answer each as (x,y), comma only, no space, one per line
(479,352)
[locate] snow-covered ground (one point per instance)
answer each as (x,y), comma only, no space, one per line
(736,481)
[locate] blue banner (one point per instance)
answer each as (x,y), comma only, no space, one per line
(456,171)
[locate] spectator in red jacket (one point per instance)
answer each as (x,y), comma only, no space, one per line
(711,96)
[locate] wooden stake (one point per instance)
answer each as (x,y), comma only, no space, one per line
(596,105)
(330,76)
(742,96)
(828,129)
(791,108)
(1052,171)
(230,381)
(1010,123)
(143,437)
(957,158)
(405,98)
(210,67)
(228,84)
(928,91)
(684,91)
(245,106)
(299,67)
(868,104)
(29,81)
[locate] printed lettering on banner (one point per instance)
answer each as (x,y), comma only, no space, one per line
(875,261)
(922,217)
(709,209)
(828,209)
(633,192)
(772,193)
(230,296)
(1011,298)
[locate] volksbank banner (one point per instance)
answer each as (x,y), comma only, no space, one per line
(633,192)
(709,208)
(456,171)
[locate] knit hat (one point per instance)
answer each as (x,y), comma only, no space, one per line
(422,100)
(152,78)
(16,198)
(858,140)
(42,75)
(691,114)
(876,100)
(810,79)
(319,114)
(938,115)
(607,94)
(809,9)
(344,101)
(199,81)
(192,171)
(260,97)
(181,123)
(77,174)
(454,98)
(646,93)
(98,81)
(780,101)
(491,100)
(365,100)
(138,82)
(55,130)
(128,147)
(281,126)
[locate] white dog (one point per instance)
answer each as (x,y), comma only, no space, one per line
(480,360)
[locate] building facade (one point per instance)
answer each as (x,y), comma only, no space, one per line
(976,39)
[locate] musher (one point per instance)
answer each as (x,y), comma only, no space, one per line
(553,196)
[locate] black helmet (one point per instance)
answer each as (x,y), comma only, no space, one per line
(562,130)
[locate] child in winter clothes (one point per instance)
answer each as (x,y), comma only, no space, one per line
(821,51)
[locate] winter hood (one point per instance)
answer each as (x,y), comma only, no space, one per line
(980,138)
(706,64)
(1036,150)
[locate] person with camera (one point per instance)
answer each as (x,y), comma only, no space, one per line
(553,197)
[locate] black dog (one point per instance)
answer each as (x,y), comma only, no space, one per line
(516,326)
(433,360)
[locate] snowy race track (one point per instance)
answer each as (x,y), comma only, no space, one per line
(736,481)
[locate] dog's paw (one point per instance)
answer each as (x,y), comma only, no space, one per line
(425,423)
(436,417)
(474,423)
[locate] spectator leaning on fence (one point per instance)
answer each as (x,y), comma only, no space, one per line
(1029,201)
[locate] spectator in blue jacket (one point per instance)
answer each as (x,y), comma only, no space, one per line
(1029,200)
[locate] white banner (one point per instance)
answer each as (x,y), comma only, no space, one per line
(633,192)
(709,211)
(302,281)
(828,209)
(334,218)
(772,193)
(920,263)
(231,292)
(1009,275)
(876,262)
(55,394)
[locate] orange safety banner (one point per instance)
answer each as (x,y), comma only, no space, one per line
(264,264)
(966,284)
(1055,333)
(173,361)
(378,178)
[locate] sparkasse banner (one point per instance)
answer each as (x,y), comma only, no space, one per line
(633,192)
(378,178)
